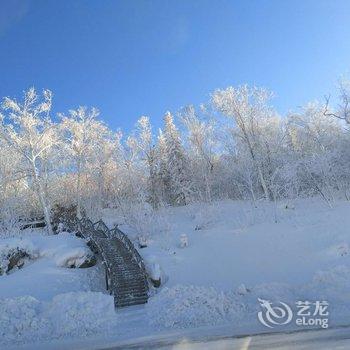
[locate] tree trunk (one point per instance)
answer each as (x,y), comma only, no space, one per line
(78,194)
(44,203)
(263,183)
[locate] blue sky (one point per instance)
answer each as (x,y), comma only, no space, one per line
(133,57)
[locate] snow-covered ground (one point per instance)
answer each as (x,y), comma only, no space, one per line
(236,254)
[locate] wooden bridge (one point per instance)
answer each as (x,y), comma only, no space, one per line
(126,276)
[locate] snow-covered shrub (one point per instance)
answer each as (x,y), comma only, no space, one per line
(62,214)
(143,241)
(20,319)
(13,252)
(76,257)
(79,313)
(242,290)
(70,252)
(333,282)
(154,270)
(183,241)
(205,216)
(140,217)
(155,274)
(9,224)
(341,249)
(60,227)
(144,222)
(25,319)
(192,306)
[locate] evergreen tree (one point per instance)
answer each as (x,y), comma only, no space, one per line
(177,172)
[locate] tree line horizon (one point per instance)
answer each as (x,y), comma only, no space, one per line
(236,146)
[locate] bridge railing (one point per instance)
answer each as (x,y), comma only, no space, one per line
(91,230)
(129,246)
(101,226)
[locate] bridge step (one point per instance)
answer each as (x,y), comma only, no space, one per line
(126,275)
(131,295)
(132,283)
(130,302)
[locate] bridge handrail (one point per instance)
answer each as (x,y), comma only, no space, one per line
(101,226)
(130,247)
(88,229)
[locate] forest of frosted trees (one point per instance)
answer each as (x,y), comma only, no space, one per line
(236,146)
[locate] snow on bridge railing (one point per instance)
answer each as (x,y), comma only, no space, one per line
(91,230)
(101,226)
(116,232)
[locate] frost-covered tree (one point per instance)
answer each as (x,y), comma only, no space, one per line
(249,152)
(315,139)
(202,145)
(87,142)
(252,116)
(342,111)
(148,155)
(176,174)
(27,128)
(13,184)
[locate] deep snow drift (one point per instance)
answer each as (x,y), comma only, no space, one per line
(236,254)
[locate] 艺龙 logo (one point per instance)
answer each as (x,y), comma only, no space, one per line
(274,315)
(309,314)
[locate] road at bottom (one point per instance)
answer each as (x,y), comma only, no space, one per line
(321,339)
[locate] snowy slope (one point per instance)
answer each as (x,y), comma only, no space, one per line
(237,253)
(242,244)
(46,276)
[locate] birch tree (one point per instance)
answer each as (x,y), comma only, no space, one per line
(84,136)
(248,108)
(148,154)
(202,148)
(29,131)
